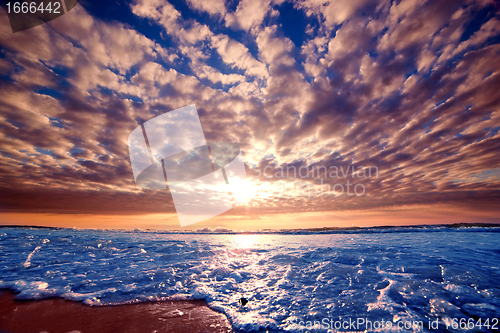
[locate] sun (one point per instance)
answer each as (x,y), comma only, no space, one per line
(243,190)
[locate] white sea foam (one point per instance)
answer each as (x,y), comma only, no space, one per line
(402,276)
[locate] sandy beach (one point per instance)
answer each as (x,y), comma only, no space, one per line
(57,315)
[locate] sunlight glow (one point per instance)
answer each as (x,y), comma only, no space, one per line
(245,241)
(243,190)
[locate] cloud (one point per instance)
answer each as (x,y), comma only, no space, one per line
(213,7)
(490,29)
(236,54)
(274,50)
(215,76)
(248,14)
(409,87)
(337,12)
(165,14)
(159,11)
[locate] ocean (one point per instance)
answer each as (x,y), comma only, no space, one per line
(427,279)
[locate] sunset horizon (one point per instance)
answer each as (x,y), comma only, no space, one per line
(391,129)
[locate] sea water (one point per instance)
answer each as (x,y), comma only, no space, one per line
(395,280)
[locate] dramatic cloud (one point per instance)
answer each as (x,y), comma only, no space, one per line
(398,97)
(213,7)
(249,14)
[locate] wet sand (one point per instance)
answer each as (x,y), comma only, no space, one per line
(56,315)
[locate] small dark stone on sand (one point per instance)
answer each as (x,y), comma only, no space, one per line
(243,301)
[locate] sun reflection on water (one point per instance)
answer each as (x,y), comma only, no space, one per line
(245,241)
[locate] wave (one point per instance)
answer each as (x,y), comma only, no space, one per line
(396,274)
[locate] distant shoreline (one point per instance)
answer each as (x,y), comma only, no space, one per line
(304,231)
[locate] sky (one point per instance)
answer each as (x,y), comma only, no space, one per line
(388,111)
